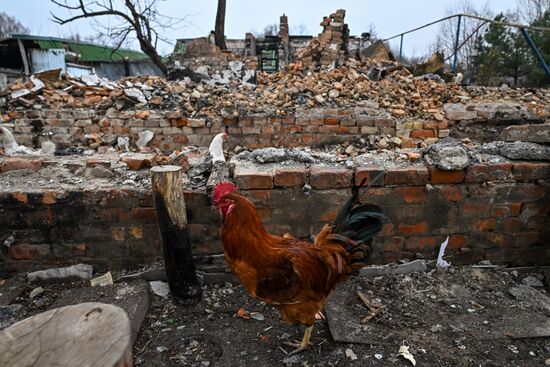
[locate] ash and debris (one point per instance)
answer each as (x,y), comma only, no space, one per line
(282,93)
(454,317)
(70,172)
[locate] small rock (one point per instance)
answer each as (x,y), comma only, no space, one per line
(532,281)
(333,93)
(160,288)
(75,272)
(293,359)
(352,356)
(101,172)
(36,292)
(378,356)
(162,349)
(436,328)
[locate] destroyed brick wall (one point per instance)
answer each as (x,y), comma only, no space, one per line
(493,211)
(330,47)
(313,127)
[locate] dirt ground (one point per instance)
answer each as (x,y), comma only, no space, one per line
(461,316)
(448,318)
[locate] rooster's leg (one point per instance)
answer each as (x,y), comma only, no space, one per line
(305,341)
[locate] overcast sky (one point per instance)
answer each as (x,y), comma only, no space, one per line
(389,17)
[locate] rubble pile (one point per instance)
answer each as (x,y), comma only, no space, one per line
(330,46)
(400,93)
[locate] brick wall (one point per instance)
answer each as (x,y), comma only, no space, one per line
(499,212)
(305,127)
(316,126)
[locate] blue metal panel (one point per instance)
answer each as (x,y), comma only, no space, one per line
(47,59)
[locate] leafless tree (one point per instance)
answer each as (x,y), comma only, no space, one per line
(271,29)
(219,29)
(469,31)
(299,29)
(9,24)
(530,10)
(136,18)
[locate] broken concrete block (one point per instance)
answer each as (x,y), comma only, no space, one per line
(532,133)
(458,112)
(71,273)
(416,266)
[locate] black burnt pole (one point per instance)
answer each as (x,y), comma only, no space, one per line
(174,233)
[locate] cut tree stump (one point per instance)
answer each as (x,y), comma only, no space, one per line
(172,220)
(85,335)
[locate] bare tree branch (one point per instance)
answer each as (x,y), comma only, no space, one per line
(140,17)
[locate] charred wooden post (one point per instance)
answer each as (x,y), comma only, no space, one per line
(172,220)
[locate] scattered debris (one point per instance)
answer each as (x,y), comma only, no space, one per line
(415,266)
(102,281)
(352,356)
(440,262)
(75,272)
(404,352)
(160,288)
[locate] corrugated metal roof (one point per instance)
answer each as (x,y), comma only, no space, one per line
(89,52)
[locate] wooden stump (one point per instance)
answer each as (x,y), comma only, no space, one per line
(172,220)
(87,334)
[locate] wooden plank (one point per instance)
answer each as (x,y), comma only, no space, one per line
(172,220)
(88,334)
(24,57)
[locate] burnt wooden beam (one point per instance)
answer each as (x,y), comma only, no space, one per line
(174,232)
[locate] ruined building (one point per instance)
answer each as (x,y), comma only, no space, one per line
(271,52)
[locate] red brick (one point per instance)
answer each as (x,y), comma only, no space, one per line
(410,176)
(142,115)
(392,244)
(117,234)
(513,225)
(456,241)
(144,213)
(423,134)
(489,172)
(387,230)
(329,215)
(231,121)
(179,122)
(15,164)
(253,180)
(137,161)
(413,229)
(370,172)
(438,176)
(412,194)
(530,171)
(497,239)
(507,210)
(485,225)
(452,193)
(475,209)
(290,177)
(94,161)
(23,251)
(196,122)
(49,197)
(328,129)
(420,243)
(20,196)
(287,120)
(329,178)
(331,121)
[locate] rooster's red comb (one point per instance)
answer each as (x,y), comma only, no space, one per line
(222,189)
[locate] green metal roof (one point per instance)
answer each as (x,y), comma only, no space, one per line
(89,52)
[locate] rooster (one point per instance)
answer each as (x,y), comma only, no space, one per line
(295,276)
